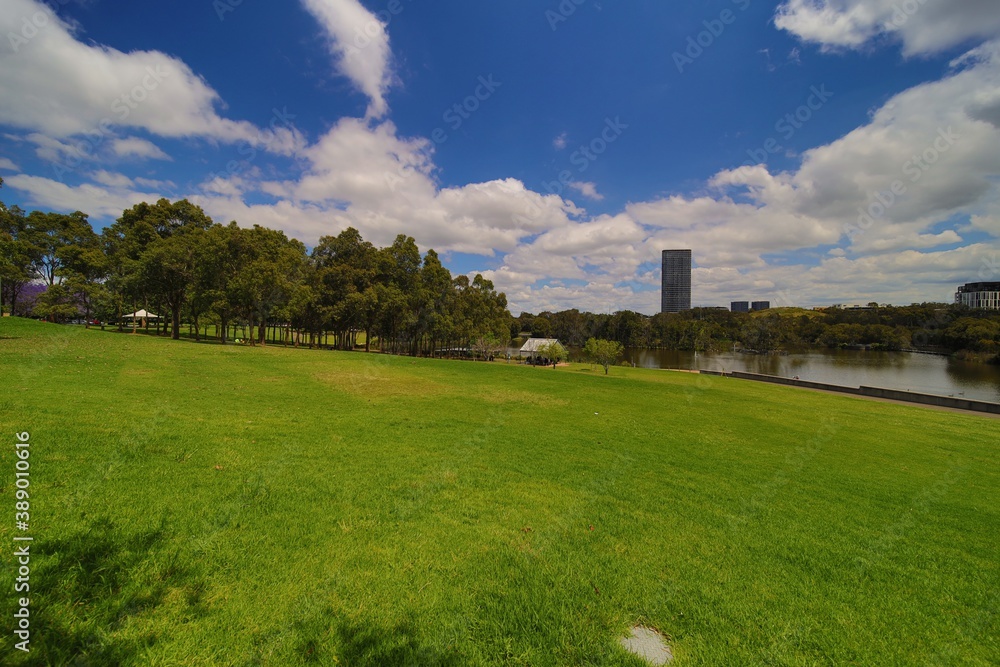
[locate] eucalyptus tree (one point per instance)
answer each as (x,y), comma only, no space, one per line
(604,352)
(84,268)
(169,268)
(219,261)
(435,315)
(52,234)
(130,236)
(347,267)
(272,266)
(19,257)
(399,297)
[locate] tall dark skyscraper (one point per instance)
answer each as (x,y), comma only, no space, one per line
(676,295)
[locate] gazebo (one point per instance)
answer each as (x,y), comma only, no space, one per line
(533,345)
(141,315)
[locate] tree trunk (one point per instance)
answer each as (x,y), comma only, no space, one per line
(175,322)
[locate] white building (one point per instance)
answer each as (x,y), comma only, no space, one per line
(979,295)
(533,345)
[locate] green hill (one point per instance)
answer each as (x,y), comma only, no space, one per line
(195,504)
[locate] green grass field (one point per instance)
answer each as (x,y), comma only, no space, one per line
(195,504)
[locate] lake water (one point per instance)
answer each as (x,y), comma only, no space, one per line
(925,373)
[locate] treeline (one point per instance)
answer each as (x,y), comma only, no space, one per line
(170,258)
(929,326)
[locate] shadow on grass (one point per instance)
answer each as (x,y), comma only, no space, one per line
(186,338)
(400,645)
(94,583)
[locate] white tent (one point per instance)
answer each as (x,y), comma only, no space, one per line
(532,345)
(141,315)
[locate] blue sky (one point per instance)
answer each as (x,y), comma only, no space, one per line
(808,151)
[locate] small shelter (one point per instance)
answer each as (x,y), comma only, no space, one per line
(143,315)
(531,347)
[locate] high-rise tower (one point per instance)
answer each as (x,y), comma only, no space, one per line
(676,294)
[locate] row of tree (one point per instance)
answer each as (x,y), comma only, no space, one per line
(169,257)
(946,327)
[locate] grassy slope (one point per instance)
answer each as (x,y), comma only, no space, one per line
(205,505)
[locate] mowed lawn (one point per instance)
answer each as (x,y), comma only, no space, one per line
(195,504)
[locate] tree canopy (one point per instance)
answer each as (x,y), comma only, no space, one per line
(604,352)
(171,257)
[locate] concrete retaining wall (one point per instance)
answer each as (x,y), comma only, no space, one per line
(931,399)
(774,379)
(874,392)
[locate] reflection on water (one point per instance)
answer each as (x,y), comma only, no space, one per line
(925,373)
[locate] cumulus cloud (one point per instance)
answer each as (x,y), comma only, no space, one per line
(855,221)
(136,147)
(926,155)
(874,209)
(54,84)
(96,200)
(369,177)
(588,190)
(111,179)
(923,26)
(743,225)
(7,163)
(359,43)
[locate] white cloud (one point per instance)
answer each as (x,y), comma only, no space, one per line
(92,199)
(559,143)
(136,147)
(588,190)
(54,150)
(749,214)
(56,85)
(155,184)
(553,255)
(112,180)
(6,163)
(923,26)
(359,43)
(369,177)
